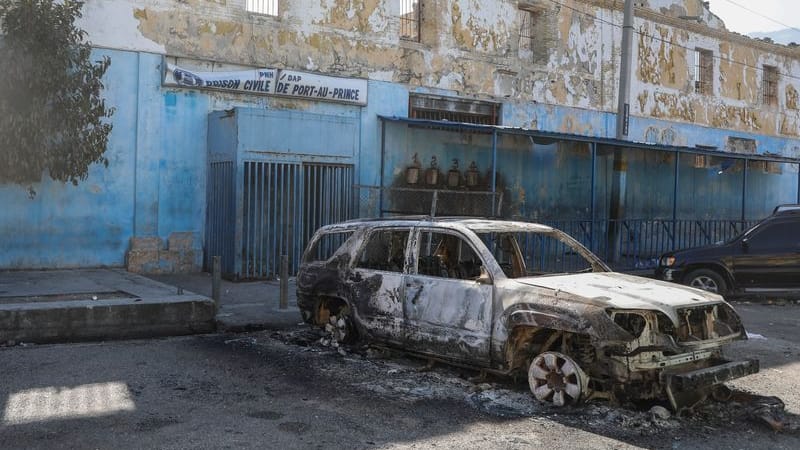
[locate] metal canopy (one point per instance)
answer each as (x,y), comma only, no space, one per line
(497,129)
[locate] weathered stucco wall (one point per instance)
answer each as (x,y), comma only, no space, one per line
(473,48)
(155,184)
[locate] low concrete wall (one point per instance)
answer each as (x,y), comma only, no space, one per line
(82,320)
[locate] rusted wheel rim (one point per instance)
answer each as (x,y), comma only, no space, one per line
(705,283)
(555,378)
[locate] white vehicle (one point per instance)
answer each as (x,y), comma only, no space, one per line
(515,297)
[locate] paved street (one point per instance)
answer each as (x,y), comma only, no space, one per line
(284,390)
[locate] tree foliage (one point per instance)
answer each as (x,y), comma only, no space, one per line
(51,109)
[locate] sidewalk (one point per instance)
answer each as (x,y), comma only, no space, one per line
(44,306)
(244,305)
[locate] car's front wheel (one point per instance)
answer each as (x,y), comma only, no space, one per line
(557,379)
(707,280)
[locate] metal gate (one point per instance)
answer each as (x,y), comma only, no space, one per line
(283,204)
(220,211)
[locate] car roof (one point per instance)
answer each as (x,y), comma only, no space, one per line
(476,224)
(786,209)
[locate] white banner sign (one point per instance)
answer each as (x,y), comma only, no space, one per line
(271,81)
(320,87)
(259,81)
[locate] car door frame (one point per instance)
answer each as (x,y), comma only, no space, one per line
(467,341)
(772,271)
(377,295)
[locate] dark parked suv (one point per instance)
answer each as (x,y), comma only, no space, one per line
(764,260)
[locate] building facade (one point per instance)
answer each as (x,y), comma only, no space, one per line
(248,173)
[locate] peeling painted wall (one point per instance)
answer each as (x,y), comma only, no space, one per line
(467,48)
(472,48)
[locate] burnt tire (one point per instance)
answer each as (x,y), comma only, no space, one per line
(555,378)
(342,328)
(707,280)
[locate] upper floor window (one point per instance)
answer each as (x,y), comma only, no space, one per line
(703,71)
(409,20)
(770,86)
(526,30)
(536,31)
(268,7)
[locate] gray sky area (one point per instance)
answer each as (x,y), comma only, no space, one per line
(739,19)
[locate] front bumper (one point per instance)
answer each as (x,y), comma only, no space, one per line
(687,388)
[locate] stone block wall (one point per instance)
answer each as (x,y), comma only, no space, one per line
(148,255)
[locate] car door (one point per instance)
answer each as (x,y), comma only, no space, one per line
(448,305)
(376,283)
(770,257)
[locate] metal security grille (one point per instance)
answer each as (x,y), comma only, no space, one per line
(526,31)
(268,7)
(283,204)
(409,20)
(451,109)
(770,86)
(329,194)
(221,208)
(703,71)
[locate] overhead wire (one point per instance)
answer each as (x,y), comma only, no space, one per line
(762,15)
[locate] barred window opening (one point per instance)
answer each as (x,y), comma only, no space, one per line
(526,31)
(409,20)
(703,71)
(453,110)
(770,86)
(267,7)
(538,32)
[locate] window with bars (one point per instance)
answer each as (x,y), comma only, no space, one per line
(770,86)
(267,7)
(453,110)
(409,20)
(537,31)
(703,71)
(526,31)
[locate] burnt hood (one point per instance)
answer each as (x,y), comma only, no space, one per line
(621,291)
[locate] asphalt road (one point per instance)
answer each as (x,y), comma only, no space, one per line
(285,390)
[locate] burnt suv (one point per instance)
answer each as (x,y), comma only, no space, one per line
(518,298)
(764,260)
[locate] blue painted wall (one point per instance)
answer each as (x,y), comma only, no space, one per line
(158,152)
(154,185)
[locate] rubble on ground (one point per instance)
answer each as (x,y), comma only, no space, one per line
(411,380)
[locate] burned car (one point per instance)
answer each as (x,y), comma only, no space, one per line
(518,298)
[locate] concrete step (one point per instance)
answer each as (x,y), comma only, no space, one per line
(96,304)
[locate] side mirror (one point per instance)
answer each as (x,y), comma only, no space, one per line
(745,244)
(484,277)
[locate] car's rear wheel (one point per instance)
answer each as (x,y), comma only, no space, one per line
(341,327)
(557,379)
(707,280)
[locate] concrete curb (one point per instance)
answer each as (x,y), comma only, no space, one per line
(83,320)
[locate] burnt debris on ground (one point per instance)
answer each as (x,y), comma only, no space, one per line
(392,374)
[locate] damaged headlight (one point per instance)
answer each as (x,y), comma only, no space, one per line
(632,322)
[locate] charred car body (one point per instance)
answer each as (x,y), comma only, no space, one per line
(518,298)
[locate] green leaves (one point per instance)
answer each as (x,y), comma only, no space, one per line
(51,109)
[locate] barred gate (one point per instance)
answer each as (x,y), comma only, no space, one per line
(283,204)
(220,214)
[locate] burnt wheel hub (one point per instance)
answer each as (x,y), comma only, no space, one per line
(555,378)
